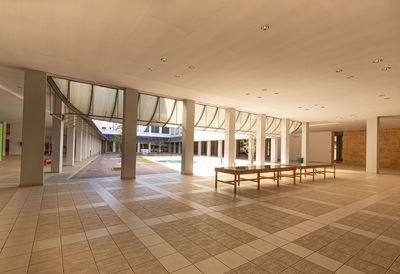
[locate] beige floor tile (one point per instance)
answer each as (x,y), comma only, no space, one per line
(15,250)
(117,229)
(262,245)
(275,240)
(247,252)
(174,262)
(96,233)
(323,261)
(73,238)
(46,244)
(212,266)
(15,262)
(162,250)
(151,240)
(297,250)
(231,259)
(188,270)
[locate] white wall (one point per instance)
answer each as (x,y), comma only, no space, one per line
(320,147)
(15,138)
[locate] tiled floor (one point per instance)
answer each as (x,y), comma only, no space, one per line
(179,224)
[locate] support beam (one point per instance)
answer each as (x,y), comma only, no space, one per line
(33,128)
(260,139)
(274,150)
(372,156)
(70,160)
(57,136)
(187,138)
(285,141)
(305,141)
(129,127)
(208,148)
(230,144)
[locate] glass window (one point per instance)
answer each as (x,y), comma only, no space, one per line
(155,130)
(165,130)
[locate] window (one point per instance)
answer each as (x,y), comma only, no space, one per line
(165,130)
(146,129)
(155,130)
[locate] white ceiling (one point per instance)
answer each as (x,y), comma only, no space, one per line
(114,42)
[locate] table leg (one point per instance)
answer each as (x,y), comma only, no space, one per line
(216,179)
(334,171)
(313,174)
(235,181)
(324,173)
(258,181)
(300,174)
(277,178)
(238,179)
(294,176)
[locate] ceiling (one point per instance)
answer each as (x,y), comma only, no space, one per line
(115,43)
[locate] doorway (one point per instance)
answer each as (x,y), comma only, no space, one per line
(338,147)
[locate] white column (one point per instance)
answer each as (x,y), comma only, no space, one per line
(285,141)
(305,141)
(169,148)
(114,146)
(372,159)
(57,136)
(174,147)
(15,138)
(128,155)
(138,147)
(220,154)
(70,160)
(199,148)
(3,148)
(79,144)
(187,137)
(260,139)
(159,148)
(179,148)
(274,150)
(230,144)
(84,143)
(149,148)
(208,148)
(33,128)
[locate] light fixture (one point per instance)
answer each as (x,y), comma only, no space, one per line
(376,61)
(264,89)
(349,76)
(191,67)
(315,105)
(259,97)
(164,59)
(150,68)
(339,70)
(381,95)
(265,27)
(307,109)
(322,106)
(386,68)
(178,75)
(276,92)
(247,93)
(299,107)
(386,98)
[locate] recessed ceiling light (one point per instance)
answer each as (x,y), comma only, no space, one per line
(386,68)
(349,76)
(315,105)
(276,92)
(339,70)
(259,97)
(247,93)
(299,107)
(322,106)
(19,87)
(178,75)
(265,27)
(307,109)
(376,61)
(386,98)
(191,67)
(164,59)
(264,89)
(150,68)
(381,95)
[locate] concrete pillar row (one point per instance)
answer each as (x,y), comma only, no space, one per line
(187,137)
(57,136)
(260,139)
(79,144)
(220,153)
(33,128)
(70,160)
(199,148)
(208,148)
(230,116)
(274,150)
(128,155)
(285,141)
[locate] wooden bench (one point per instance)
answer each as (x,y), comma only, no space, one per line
(314,169)
(46,162)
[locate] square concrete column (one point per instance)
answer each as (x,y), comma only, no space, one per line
(179,148)
(274,150)
(33,128)
(79,144)
(3,148)
(128,156)
(220,144)
(372,156)
(199,148)
(230,115)
(305,141)
(260,139)
(208,148)
(84,143)
(70,160)
(174,147)
(149,148)
(285,141)
(57,136)
(187,137)
(138,147)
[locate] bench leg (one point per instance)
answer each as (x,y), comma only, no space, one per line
(258,181)
(277,178)
(294,176)
(324,173)
(216,179)
(334,171)
(300,175)
(235,182)
(238,179)
(313,174)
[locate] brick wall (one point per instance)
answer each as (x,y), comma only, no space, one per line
(354,147)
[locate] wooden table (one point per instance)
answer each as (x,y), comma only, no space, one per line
(314,169)
(276,169)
